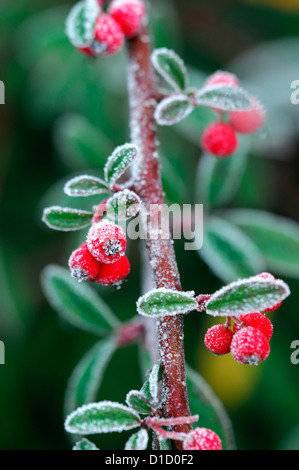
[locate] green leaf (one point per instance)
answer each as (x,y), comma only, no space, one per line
(119,161)
(165,444)
(161,302)
(85,186)
(66,219)
(77,303)
(123,205)
(80,22)
(171,68)
(153,380)
(249,295)
(276,237)
(138,402)
(78,141)
(223,97)
(206,404)
(137,441)
(218,179)
(85,380)
(228,252)
(102,417)
(173,109)
(85,444)
(150,388)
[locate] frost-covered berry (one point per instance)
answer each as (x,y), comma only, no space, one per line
(222,78)
(218,339)
(248,120)
(202,439)
(256,320)
(113,273)
(219,139)
(83,265)
(250,346)
(106,241)
(128,14)
(109,36)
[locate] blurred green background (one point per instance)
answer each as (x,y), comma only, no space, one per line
(49,88)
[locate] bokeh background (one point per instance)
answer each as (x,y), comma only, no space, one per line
(50,92)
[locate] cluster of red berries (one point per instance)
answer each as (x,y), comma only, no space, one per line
(102,257)
(248,341)
(220,138)
(202,439)
(123,19)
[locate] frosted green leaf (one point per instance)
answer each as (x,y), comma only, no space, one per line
(138,402)
(77,303)
(161,302)
(228,252)
(85,444)
(249,295)
(223,97)
(80,22)
(123,205)
(173,109)
(171,68)
(66,219)
(86,378)
(85,186)
(150,388)
(102,417)
(277,237)
(119,161)
(137,441)
(154,379)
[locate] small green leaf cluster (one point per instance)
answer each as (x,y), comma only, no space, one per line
(180,101)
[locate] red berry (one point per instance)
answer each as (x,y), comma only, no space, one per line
(109,36)
(250,346)
(128,14)
(248,120)
(219,139)
(106,241)
(222,78)
(218,339)
(83,265)
(202,439)
(256,320)
(113,273)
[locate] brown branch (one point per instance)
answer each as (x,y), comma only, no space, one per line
(161,254)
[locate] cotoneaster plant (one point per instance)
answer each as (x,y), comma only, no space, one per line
(159,94)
